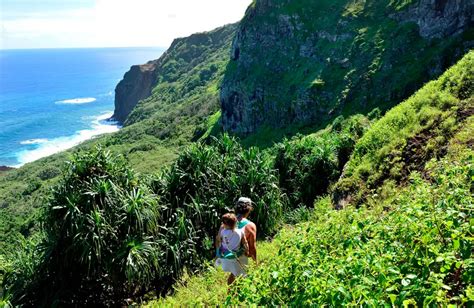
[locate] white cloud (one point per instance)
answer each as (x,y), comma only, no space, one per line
(120,23)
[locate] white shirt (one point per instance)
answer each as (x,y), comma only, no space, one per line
(231,238)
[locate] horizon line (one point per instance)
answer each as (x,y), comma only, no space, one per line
(87,47)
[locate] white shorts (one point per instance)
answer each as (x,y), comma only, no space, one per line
(238,267)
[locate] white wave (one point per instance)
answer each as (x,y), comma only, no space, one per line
(77,101)
(100,125)
(34,141)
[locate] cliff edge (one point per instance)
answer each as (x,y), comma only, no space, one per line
(136,85)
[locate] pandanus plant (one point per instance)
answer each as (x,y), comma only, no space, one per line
(101,235)
(205,182)
(110,234)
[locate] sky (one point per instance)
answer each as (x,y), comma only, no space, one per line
(110,23)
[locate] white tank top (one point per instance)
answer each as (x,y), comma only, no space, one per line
(231,239)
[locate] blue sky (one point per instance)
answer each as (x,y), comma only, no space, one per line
(109,23)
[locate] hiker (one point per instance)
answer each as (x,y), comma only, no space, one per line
(243,208)
(231,244)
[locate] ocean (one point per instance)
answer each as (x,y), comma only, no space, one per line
(53,99)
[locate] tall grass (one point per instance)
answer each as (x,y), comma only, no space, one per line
(409,135)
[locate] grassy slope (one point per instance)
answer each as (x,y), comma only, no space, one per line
(409,135)
(182,108)
(207,289)
(411,244)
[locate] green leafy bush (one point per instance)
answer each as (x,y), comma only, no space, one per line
(206,180)
(101,239)
(308,165)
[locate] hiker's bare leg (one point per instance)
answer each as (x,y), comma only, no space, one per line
(231,279)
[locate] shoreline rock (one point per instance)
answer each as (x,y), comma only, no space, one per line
(136,85)
(6,168)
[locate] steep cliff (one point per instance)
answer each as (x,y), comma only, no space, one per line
(190,65)
(305,62)
(135,86)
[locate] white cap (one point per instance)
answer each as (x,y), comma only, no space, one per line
(244,200)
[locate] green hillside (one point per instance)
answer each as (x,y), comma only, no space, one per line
(409,135)
(333,57)
(410,244)
(310,87)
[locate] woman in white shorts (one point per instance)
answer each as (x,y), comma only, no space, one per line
(231,248)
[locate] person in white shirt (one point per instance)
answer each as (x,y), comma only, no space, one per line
(231,245)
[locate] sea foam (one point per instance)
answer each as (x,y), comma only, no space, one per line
(99,125)
(34,141)
(77,101)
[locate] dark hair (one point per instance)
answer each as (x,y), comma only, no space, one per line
(242,208)
(229,220)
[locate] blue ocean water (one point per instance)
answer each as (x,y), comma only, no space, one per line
(52,99)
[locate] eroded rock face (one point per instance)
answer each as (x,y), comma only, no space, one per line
(440,18)
(135,86)
(305,62)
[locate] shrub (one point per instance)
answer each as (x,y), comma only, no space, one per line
(308,165)
(206,180)
(101,238)
(48,173)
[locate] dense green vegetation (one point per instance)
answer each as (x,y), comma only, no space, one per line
(409,135)
(308,165)
(108,234)
(412,249)
(206,179)
(23,191)
(410,244)
(100,236)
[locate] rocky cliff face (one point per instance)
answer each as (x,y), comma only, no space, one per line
(304,62)
(188,65)
(135,86)
(439,18)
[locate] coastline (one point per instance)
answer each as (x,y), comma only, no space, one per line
(42,147)
(54,99)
